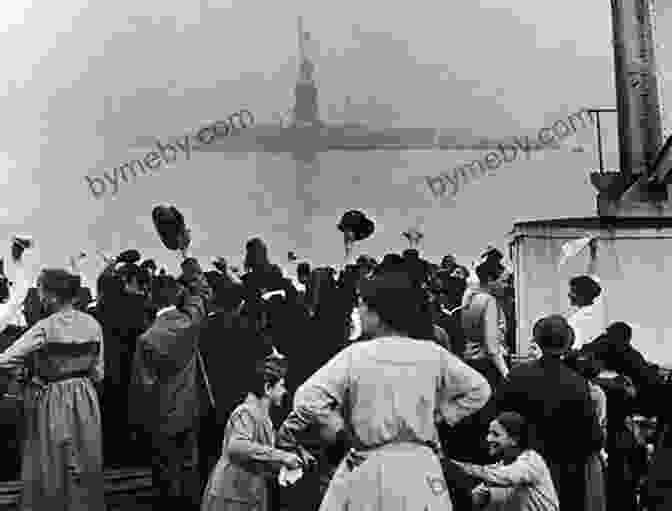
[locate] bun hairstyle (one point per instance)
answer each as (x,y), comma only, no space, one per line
(585,287)
(62,284)
(396,299)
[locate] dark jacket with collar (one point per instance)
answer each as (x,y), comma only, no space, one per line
(166,388)
(556,400)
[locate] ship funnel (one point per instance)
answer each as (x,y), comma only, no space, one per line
(638,107)
(639,124)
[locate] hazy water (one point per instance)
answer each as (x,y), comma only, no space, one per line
(230,197)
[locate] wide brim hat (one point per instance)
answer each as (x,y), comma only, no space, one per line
(356,221)
(169,224)
(130,256)
(553,334)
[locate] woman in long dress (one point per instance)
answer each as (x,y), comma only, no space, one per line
(62,467)
(249,458)
(382,397)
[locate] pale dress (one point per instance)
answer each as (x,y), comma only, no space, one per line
(390,392)
(62,467)
(240,477)
(524,485)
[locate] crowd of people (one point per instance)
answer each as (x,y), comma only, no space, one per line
(383,385)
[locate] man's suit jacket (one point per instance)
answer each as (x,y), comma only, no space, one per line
(230,349)
(556,400)
(165,390)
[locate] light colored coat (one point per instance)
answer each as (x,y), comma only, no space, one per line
(239,480)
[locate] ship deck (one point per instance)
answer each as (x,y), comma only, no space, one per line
(126,489)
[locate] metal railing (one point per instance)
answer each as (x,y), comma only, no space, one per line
(597,112)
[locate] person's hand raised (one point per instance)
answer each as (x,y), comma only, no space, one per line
(292,461)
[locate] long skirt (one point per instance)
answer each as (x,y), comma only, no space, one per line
(62,467)
(395,477)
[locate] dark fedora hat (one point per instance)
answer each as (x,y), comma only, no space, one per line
(169,224)
(553,334)
(356,221)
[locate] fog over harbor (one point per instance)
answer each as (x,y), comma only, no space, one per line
(92,79)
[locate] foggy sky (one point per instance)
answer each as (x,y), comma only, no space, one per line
(83,79)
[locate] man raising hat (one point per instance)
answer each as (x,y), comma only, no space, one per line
(166,394)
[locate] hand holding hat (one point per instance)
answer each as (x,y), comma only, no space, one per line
(414,236)
(130,256)
(356,225)
(170,226)
(19,245)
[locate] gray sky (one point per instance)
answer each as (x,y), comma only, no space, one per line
(83,79)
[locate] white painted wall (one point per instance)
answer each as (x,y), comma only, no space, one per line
(630,264)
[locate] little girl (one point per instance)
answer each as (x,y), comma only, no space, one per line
(239,480)
(520,480)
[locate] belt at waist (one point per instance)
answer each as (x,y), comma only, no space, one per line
(355,457)
(68,376)
(417,443)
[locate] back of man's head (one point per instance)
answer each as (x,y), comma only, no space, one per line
(619,333)
(169,292)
